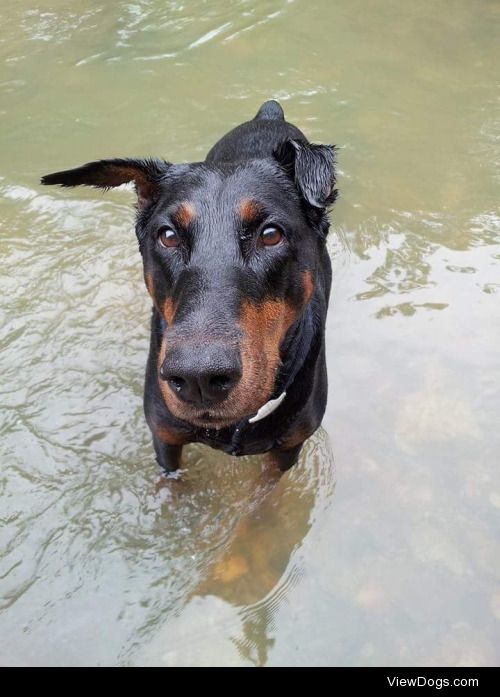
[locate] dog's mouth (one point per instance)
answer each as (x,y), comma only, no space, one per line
(211,420)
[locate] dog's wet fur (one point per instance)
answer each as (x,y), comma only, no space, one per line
(235,262)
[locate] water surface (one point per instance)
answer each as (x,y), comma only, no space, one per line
(382,546)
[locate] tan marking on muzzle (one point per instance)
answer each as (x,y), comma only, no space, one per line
(148,278)
(169,310)
(166,392)
(264,327)
(308,283)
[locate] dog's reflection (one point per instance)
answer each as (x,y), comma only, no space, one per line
(233,529)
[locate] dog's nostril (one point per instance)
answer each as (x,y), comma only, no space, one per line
(220,382)
(202,378)
(176,382)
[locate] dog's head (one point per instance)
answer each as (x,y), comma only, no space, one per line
(230,256)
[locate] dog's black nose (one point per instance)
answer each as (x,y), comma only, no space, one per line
(202,376)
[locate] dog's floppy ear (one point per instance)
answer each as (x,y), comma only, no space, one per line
(105,174)
(312,169)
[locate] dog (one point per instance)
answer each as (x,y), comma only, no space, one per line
(235,262)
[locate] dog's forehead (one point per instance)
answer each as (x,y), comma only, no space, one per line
(232,187)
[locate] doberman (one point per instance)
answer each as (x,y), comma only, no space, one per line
(236,264)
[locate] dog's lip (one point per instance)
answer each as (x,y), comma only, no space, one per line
(206,419)
(209,420)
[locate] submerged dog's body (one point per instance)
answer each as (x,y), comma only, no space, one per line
(236,264)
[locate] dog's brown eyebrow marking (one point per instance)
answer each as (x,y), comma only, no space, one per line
(185,214)
(249,210)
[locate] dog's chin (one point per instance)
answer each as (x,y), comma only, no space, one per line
(227,415)
(205,418)
(215,421)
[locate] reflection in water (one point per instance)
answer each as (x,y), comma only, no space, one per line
(254,568)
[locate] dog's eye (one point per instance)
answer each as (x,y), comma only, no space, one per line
(271,236)
(168,237)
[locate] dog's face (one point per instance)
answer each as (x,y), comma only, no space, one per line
(230,254)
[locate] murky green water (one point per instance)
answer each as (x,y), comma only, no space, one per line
(104,562)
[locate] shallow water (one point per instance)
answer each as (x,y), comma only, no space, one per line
(382,546)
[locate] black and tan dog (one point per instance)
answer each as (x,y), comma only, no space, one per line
(236,265)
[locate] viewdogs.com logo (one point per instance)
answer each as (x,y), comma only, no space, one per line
(437,683)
